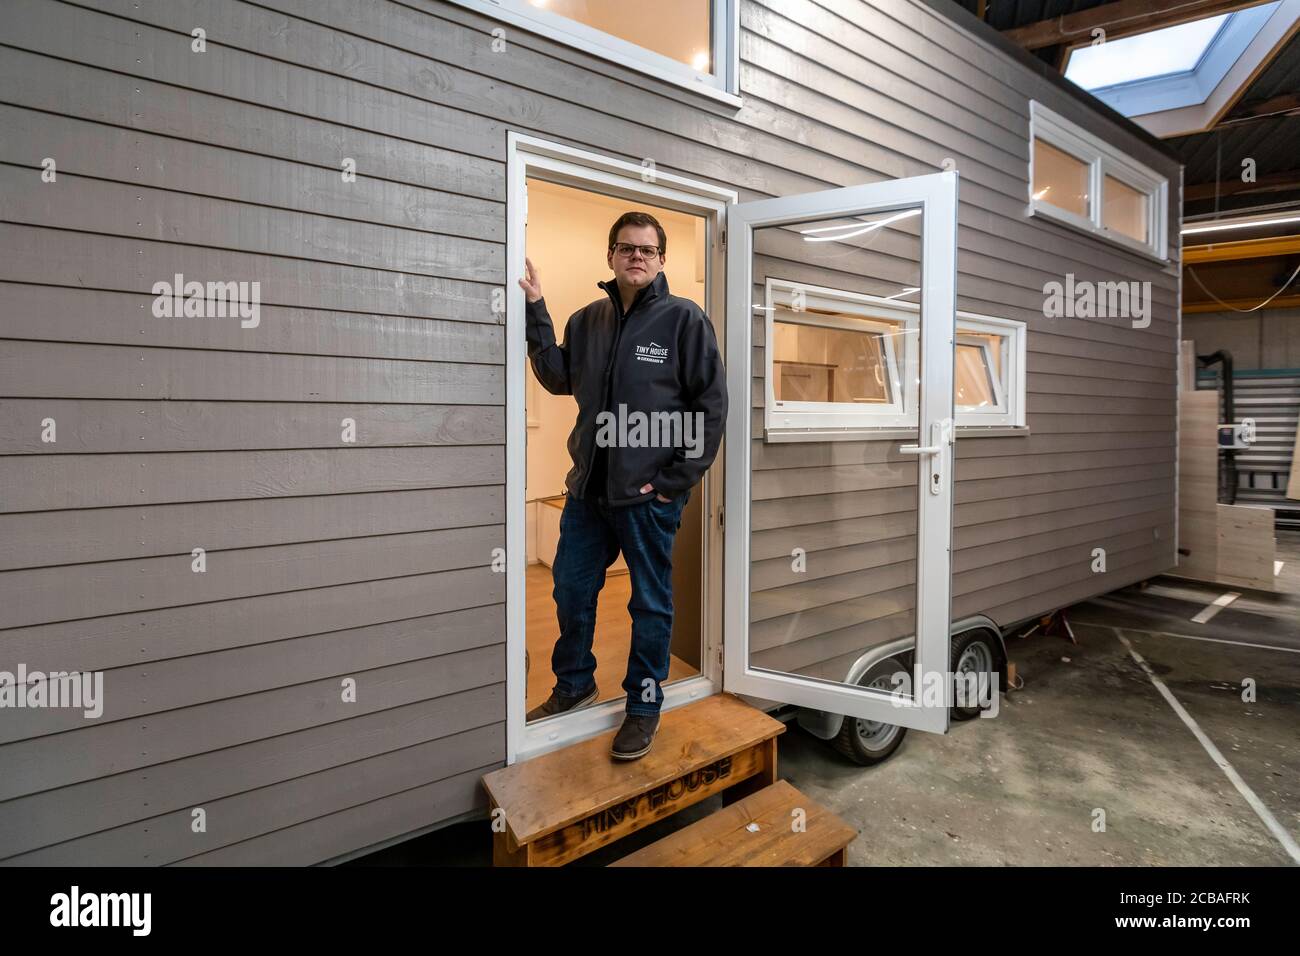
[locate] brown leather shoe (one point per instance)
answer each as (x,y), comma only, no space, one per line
(634,738)
(557,704)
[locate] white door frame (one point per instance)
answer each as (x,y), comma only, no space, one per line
(528,157)
(936,195)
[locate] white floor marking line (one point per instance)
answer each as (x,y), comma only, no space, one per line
(1220,602)
(1277,567)
(1266,817)
(1220,640)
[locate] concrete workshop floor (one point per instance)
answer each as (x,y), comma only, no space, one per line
(1089,731)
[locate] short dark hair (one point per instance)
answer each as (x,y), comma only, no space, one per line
(638,219)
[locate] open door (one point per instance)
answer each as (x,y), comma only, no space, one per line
(840,309)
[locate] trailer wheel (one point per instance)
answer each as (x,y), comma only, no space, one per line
(868,742)
(972,653)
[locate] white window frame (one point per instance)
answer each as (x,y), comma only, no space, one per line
(723,84)
(820,421)
(901,413)
(1102,160)
(999,406)
(1010,410)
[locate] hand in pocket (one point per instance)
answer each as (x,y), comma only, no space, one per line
(658,497)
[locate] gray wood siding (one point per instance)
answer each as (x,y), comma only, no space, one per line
(325,560)
(903,89)
(371,560)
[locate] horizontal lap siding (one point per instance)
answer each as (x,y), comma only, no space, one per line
(87,811)
(325,560)
(371,560)
(899,89)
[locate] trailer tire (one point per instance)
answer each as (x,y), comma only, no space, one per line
(868,742)
(974,652)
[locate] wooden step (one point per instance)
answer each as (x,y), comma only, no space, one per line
(567,803)
(756,831)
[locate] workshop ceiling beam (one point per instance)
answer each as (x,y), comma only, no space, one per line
(1285,104)
(1119,18)
(1268,183)
(1241,249)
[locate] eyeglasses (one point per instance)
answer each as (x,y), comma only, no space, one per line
(625,249)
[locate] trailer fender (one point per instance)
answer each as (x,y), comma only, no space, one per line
(826,725)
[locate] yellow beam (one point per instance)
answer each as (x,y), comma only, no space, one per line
(1241,249)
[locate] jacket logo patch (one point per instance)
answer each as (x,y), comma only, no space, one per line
(654,352)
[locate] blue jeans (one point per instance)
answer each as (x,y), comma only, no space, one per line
(592,533)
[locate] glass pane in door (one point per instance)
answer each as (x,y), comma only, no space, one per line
(833,537)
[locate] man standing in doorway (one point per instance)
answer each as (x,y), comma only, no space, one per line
(645,369)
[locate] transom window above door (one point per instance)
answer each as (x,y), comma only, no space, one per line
(688,42)
(841,362)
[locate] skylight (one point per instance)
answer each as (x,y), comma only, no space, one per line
(1183,66)
(1176,49)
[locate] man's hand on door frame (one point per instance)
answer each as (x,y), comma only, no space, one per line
(531,283)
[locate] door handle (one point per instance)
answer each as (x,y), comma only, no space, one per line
(940,438)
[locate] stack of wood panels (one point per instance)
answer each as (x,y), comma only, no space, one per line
(1198,484)
(1224,544)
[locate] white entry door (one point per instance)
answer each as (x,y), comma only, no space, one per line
(840,309)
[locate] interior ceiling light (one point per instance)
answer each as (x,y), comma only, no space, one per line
(701,61)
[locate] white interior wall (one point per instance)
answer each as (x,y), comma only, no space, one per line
(567,237)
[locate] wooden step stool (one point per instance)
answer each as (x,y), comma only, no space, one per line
(565,804)
(756,831)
